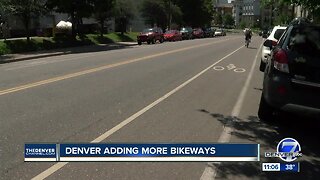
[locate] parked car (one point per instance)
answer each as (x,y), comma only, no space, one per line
(208,32)
(198,33)
(150,35)
(274,37)
(172,35)
(264,33)
(292,75)
(220,32)
(187,33)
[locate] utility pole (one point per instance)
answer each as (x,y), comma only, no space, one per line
(170,15)
(271,15)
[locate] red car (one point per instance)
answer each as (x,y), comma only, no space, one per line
(150,36)
(198,33)
(173,35)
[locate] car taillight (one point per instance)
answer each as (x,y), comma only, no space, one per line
(282,90)
(274,43)
(281,62)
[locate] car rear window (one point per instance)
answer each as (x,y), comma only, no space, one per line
(171,32)
(147,30)
(305,40)
(278,33)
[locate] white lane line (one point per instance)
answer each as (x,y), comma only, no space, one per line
(34,64)
(210,172)
(102,137)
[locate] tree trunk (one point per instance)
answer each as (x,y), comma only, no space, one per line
(123,26)
(101,27)
(73,21)
(27,26)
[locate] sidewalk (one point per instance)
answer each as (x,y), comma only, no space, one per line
(8,58)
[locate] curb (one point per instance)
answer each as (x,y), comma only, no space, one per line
(32,57)
(10,60)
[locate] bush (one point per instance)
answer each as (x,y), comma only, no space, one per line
(243,24)
(3,48)
(64,41)
(18,46)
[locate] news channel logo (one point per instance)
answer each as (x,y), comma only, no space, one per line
(288,150)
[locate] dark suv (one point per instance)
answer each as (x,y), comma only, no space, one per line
(150,36)
(292,75)
(186,33)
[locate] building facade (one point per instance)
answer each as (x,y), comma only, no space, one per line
(251,13)
(237,11)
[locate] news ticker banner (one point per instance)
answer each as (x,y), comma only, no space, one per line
(141,152)
(281,167)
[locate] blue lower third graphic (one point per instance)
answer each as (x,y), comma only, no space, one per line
(159,152)
(40,152)
(142,152)
(290,167)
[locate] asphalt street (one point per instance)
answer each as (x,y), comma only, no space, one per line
(198,91)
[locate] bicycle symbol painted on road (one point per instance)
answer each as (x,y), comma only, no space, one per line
(229,68)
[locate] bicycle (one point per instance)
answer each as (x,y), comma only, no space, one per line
(247,42)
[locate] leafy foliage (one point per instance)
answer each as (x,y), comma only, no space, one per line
(77,9)
(102,11)
(124,13)
(312,5)
(218,18)
(196,13)
(26,10)
(228,20)
(154,13)
(160,13)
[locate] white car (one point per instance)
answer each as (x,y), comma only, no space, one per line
(220,32)
(274,36)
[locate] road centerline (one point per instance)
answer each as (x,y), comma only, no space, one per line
(97,69)
(116,128)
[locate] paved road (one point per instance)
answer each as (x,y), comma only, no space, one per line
(171,92)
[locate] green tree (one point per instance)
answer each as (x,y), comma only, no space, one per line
(280,14)
(196,13)
(312,5)
(124,13)
(161,13)
(218,20)
(26,10)
(243,24)
(154,13)
(77,9)
(4,6)
(103,10)
(228,20)
(173,12)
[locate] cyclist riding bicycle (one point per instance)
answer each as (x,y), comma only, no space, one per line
(248,35)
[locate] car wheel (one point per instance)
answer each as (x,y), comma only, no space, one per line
(265,112)
(161,40)
(139,43)
(149,42)
(262,66)
(153,41)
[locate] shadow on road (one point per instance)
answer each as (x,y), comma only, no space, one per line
(58,52)
(97,48)
(252,47)
(306,131)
